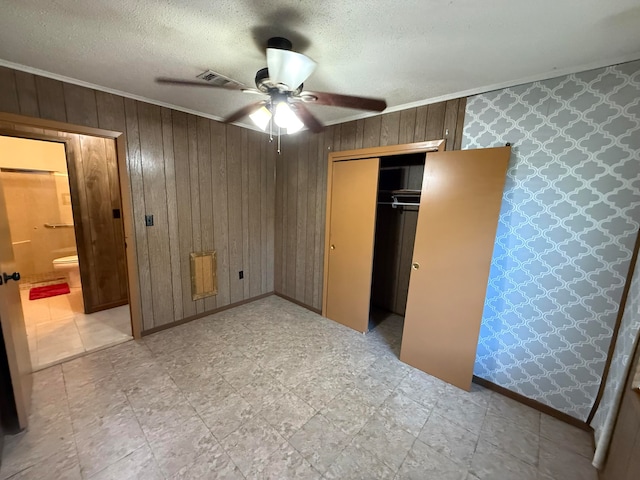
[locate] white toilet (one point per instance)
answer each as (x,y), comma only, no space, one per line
(71,269)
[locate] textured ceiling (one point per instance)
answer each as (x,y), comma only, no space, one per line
(407,51)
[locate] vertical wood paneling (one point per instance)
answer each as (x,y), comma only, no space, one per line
(420,132)
(194,188)
(185,238)
(300,208)
(80,105)
(220,212)
(51,99)
(407,126)
(291,209)
(152,162)
(372,126)
(134,160)
(9,96)
(254,261)
(234,197)
(450,123)
(359,133)
(337,138)
(435,121)
(301,217)
(27,94)
(118,255)
(195,176)
(244,193)
(348,135)
(462,105)
(264,207)
(172,211)
(279,224)
(205,195)
(312,186)
(271,214)
(390,129)
(110,112)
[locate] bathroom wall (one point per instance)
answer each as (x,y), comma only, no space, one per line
(569,220)
(33,199)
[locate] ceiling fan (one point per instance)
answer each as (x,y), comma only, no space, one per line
(282,83)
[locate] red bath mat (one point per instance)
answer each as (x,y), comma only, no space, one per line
(37,293)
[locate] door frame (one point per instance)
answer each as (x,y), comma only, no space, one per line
(358,154)
(29,127)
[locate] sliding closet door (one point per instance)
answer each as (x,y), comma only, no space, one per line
(352,222)
(457,221)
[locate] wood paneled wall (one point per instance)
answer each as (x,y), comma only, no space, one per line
(302,181)
(208,186)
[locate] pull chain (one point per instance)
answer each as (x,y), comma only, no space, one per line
(278,139)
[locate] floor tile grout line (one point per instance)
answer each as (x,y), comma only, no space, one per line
(73,430)
(148,444)
(197,413)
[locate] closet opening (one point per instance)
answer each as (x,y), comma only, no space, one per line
(398,200)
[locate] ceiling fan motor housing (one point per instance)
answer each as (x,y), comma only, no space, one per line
(279,43)
(265,85)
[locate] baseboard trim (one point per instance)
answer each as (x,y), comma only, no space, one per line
(166,326)
(297,302)
(541,407)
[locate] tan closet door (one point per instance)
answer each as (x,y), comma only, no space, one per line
(457,222)
(354,191)
(12,320)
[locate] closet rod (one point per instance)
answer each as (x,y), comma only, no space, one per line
(400,204)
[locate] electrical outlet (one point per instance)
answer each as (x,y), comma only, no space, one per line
(148,220)
(241,274)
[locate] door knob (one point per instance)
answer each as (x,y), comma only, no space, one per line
(6,277)
(415,266)
(333,247)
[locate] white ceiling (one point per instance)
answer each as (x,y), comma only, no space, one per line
(407,51)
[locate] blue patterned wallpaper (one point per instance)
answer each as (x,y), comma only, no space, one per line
(568,221)
(622,355)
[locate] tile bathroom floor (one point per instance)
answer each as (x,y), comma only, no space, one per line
(57,328)
(269,390)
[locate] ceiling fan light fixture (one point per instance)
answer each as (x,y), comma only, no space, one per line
(289,68)
(286,118)
(295,125)
(261,118)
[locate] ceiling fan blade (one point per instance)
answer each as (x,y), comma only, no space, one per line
(347,101)
(194,83)
(244,111)
(289,68)
(309,120)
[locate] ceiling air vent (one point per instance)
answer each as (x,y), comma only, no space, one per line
(218,79)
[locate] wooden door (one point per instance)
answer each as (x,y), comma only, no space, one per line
(95,195)
(354,192)
(457,222)
(13,328)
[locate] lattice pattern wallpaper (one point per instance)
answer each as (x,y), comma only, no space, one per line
(622,355)
(568,222)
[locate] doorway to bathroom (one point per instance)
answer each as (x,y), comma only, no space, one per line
(68,244)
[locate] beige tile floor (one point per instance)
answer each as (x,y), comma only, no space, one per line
(57,328)
(272,391)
